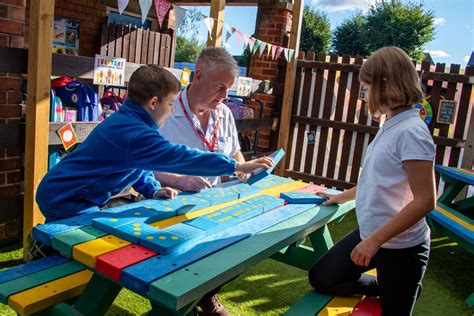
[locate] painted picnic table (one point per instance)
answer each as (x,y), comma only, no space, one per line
(175,281)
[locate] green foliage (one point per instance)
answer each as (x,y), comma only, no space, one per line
(351,37)
(393,23)
(187,50)
(315,31)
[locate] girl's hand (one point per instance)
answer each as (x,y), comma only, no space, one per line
(332,198)
(364,251)
(165,192)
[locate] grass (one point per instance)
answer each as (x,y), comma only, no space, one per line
(270,287)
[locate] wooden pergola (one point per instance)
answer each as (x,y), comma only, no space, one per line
(38,87)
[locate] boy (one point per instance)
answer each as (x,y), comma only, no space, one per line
(123,151)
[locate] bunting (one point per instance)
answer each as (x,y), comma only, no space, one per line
(179,14)
(145,6)
(261,48)
(162,7)
(122,4)
(209,24)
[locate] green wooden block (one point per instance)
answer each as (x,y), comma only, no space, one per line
(66,241)
(38,278)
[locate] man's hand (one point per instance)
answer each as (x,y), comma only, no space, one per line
(165,192)
(260,163)
(192,183)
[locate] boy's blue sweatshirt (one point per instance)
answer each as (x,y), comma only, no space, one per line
(122,151)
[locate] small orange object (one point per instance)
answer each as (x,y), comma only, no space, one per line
(67,135)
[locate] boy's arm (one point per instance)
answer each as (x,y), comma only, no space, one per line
(147,185)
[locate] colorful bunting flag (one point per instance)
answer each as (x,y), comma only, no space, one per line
(269,49)
(145,6)
(291,52)
(179,14)
(210,25)
(239,37)
(274,49)
(261,49)
(278,52)
(251,43)
(122,4)
(162,7)
(247,41)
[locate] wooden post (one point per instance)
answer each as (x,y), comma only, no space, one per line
(290,76)
(217,13)
(37,114)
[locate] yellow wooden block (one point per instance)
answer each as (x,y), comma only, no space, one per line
(285,187)
(49,294)
(87,252)
(340,306)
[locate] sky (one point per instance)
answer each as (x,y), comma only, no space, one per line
(454,24)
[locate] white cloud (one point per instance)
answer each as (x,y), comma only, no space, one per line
(466,58)
(342,5)
(439,21)
(438,54)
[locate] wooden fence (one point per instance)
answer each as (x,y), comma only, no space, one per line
(326,105)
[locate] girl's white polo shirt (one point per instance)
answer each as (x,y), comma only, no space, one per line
(383,189)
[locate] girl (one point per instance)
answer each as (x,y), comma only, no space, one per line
(395,191)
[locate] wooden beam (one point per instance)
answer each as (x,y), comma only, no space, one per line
(217,13)
(37,119)
(290,76)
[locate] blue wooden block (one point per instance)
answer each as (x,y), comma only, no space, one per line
(302,197)
(201,223)
(185,231)
(244,189)
(271,181)
(453,226)
(332,191)
(139,276)
(260,174)
(31,267)
(135,215)
(132,231)
(160,241)
(217,195)
(183,203)
(266,201)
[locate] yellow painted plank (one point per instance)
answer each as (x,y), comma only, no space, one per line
(49,294)
(87,252)
(286,187)
(458,220)
(340,306)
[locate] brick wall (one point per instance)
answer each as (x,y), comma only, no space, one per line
(272,25)
(12,30)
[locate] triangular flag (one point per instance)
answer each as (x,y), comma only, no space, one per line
(251,42)
(274,49)
(162,7)
(247,41)
(291,52)
(145,6)
(256,45)
(269,49)
(278,52)
(261,49)
(209,24)
(239,37)
(179,14)
(228,32)
(122,4)
(285,53)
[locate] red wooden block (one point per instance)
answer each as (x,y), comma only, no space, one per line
(368,306)
(312,188)
(111,264)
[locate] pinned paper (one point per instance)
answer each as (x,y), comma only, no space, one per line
(67,135)
(162,7)
(122,4)
(210,25)
(145,6)
(179,14)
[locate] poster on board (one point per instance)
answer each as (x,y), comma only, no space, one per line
(65,36)
(109,71)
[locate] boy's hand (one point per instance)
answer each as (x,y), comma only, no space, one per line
(332,198)
(249,166)
(192,183)
(165,192)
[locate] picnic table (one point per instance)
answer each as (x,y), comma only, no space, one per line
(185,278)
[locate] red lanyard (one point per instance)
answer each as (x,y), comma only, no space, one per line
(210,145)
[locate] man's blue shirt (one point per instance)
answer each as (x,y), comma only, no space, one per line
(122,151)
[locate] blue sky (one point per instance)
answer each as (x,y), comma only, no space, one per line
(454,24)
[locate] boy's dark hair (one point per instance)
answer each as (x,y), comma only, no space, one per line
(151,81)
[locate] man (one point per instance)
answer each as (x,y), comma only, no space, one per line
(200,119)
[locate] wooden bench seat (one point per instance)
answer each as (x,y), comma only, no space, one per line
(456,225)
(38,285)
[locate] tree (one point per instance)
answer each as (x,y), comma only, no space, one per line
(351,37)
(187,50)
(392,23)
(188,46)
(315,31)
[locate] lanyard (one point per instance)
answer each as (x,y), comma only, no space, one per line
(210,145)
